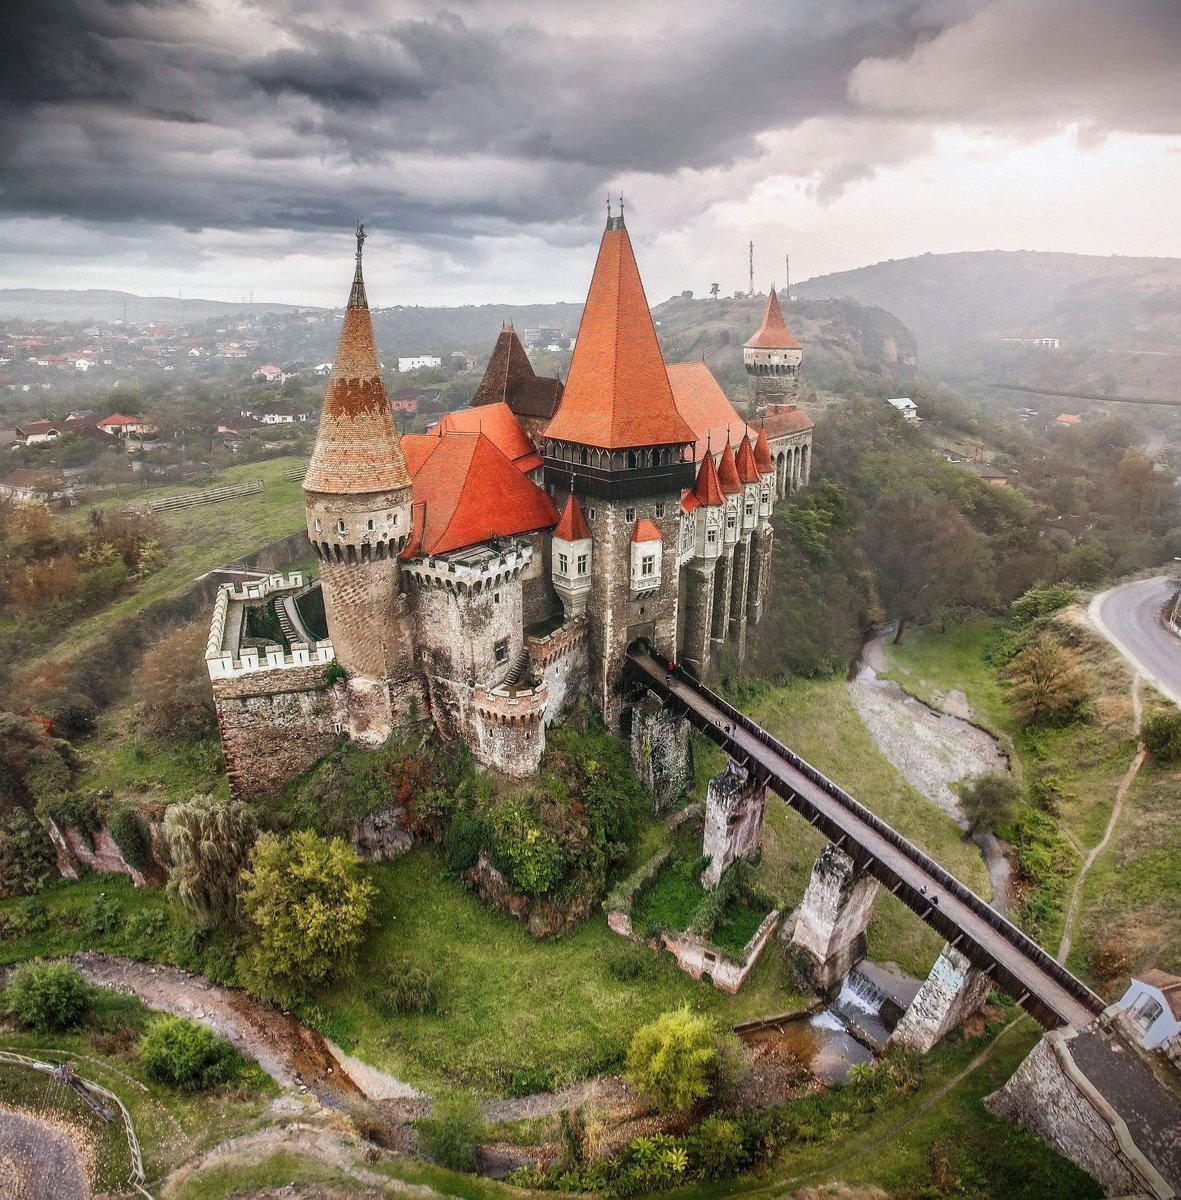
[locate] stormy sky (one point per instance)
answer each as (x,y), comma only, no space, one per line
(223,146)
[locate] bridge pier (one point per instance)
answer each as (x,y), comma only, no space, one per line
(829,937)
(660,751)
(952,992)
(735,805)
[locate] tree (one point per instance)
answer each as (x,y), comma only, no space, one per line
(172,686)
(26,854)
(209,842)
(1048,683)
(309,904)
(671,1059)
(47,995)
(988,800)
(1162,735)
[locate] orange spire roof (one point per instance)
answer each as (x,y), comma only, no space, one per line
(763,459)
(572,527)
(774,334)
(707,489)
(647,531)
(509,377)
(357,448)
(748,470)
(617,393)
(728,472)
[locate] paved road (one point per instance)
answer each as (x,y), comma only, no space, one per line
(1019,966)
(1129,617)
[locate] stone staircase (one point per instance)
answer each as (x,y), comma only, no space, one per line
(518,671)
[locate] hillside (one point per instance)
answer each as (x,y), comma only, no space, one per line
(958,298)
(99,304)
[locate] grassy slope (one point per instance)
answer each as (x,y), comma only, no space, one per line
(198,540)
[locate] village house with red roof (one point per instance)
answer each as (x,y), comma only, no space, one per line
(495,570)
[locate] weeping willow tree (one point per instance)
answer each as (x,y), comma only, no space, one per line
(209,841)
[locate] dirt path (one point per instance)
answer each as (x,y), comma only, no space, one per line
(1076,896)
(38,1161)
(931,749)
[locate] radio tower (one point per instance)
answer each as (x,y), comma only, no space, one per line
(787,277)
(750,290)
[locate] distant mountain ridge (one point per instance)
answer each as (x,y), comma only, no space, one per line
(949,299)
(102,304)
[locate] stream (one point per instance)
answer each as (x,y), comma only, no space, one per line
(931,749)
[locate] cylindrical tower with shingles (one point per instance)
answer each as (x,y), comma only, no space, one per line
(359,515)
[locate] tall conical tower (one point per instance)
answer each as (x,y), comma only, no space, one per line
(772,359)
(619,443)
(358,506)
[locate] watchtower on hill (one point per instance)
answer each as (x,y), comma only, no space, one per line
(772,359)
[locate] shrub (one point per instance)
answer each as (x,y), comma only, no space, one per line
(47,995)
(406,989)
(1161,735)
(465,837)
(1048,683)
(26,854)
(72,713)
(172,686)
(104,915)
(716,1148)
(671,1060)
(209,843)
(129,831)
(528,851)
(452,1136)
(186,1055)
(309,904)
(72,810)
(988,800)
(633,963)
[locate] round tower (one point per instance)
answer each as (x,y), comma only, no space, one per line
(772,359)
(359,509)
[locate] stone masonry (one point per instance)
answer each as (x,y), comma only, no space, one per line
(735,805)
(953,991)
(660,752)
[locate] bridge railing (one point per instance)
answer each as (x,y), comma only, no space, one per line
(1014,936)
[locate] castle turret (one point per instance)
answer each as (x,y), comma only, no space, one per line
(571,558)
(619,443)
(772,359)
(358,505)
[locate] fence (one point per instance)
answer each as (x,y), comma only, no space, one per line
(213,495)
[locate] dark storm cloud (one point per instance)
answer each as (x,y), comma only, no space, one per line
(479,121)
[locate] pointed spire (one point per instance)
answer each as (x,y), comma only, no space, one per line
(708,489)
(773,334)
(357,450)
(617,393)
(572,526)
(763,459)
(748,470)
(728,471)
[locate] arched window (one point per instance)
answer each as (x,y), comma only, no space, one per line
(633,460)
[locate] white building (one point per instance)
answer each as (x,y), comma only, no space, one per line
(419,362)
(1042,343)
(907,407)
(1153,1006)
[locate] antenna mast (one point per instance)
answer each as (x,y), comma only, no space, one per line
(750,290)
(787,276)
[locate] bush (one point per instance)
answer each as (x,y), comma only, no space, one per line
(1161,735)
(406,990)
(309,904)
(209,843)
(716,1149)
(465,837)
(452,1136)
(72,714)
(529,853)
(988,800)
(129,831)
(183,1054)
(72,810)
(47,995)
(172,686)
(671,1060)
(26,854)
(633,963)
(1048,684)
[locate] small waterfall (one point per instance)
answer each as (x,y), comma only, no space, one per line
(857,992)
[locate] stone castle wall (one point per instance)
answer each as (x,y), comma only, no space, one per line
(561,662)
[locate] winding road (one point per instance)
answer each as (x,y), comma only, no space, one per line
(1129,616)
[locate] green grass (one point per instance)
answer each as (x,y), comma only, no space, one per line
(738,923)
(276,1171)
(170,1124)
(670,900)
(118,762)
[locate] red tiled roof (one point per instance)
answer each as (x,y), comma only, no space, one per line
(472,493)
(708,490)
(748,470)
(779,420)
(417,447)
(497,422)
(706,408)
(774,334)
(572,527)
(357,449)
(509,378)
(646,531)
(763,459)
(689,502)
(120,419)
(728,472)
(617,394)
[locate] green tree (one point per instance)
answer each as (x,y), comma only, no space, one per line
(671,1060)
(988,800)
(309,904)
(1161,735)
(47,995)
(209,842)
(26,854)
(1048,683)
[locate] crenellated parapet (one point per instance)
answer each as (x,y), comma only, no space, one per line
(565,640)
(471,573)
(502,706)
(273,658)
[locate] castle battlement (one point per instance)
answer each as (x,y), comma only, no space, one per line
(500,706)
(260,589)
(565,639)
(223,665)
(472,570)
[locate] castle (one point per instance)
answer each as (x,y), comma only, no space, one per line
(489,573)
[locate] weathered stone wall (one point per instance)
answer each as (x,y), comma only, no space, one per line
(736,625)
(275,725)
(1052,1099)
(699,958)
(508,731)
(545,918)
(761,543)
(952,992)
(539,601)
(829,935)
(561,660)
(735,805)
(660,753)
